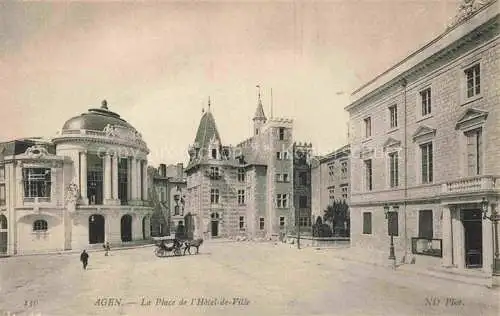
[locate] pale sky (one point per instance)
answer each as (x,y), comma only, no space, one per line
(157,64)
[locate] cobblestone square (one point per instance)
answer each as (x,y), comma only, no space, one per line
(227,278)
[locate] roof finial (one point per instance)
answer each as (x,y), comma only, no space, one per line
(104,104)
(258,87)
(208,104)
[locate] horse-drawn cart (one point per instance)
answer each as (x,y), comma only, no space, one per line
(168,245)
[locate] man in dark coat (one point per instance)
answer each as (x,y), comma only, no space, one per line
(84,258)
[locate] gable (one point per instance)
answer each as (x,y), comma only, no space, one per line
(471,117)
(391,143)
(423,132)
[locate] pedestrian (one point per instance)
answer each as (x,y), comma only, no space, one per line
(107,248)
(84,258)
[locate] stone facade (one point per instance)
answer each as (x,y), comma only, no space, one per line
(330,180)
(425,139)
(86,186)
(245,190)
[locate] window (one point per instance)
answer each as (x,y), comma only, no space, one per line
(425,225)
(474,152)
(279,177)
(37,182)
(368,175)
(393,113)
(214,171)
(304,221)
(282,133)
(367,223)
(426,163)
(425,98)
(241,175)
(285,155)
(241,197)
(242,222)
(40,225)
(285,177)
(343,169)
(2,194)
(344,188)
(282,200)
(303,178)
(256,131)
(214,153)
(214,196)
(473,79)
(261,223)
(176,210)
(393,169)
(282,221)
(2,172)
(392,223)
(303,201)
(331,192)
(278,155)
(368,127)
(331,168)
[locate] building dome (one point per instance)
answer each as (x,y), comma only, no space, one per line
(96,120)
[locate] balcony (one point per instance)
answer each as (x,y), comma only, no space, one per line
(214,175)
(471,185)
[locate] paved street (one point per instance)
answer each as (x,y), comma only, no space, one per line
(255,279)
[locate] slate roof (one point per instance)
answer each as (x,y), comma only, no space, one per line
(206,131)
(259,112)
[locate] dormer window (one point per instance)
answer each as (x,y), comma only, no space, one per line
(214,153)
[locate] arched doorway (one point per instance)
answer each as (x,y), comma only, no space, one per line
(215,225)
(3,234)
(96,229)
(126,228)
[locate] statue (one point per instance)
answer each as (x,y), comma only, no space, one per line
(72,193)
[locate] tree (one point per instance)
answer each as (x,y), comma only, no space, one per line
(337,214)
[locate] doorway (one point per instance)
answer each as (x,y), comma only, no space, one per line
(96,229)
(126,228)
(215,228)
(3,234)
(473,232)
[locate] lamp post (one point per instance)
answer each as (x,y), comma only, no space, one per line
(389,218)
(494,219)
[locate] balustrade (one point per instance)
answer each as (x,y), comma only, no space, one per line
(473,184)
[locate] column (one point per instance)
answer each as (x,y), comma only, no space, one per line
(458,240)
(447,237)
(114,176)
(83,177)
(133,179)
(488,242)
(144,180)
(138,180)
(107,178)
(129,179)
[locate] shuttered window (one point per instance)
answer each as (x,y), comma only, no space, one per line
(425,225)
(367,223)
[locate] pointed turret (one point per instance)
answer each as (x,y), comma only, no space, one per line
(259,118)
(207,133)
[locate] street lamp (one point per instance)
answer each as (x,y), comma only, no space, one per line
(389,218)
(494,219)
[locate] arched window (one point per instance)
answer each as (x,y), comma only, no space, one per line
(40,225)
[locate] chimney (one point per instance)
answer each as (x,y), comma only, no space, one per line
(163,170)
(180,170)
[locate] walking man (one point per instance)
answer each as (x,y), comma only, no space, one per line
(84,258)
(107,248)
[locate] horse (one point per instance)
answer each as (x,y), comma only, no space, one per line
(193,243)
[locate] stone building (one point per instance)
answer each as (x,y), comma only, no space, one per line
(302,178)
(170,186)
(86,186)
(425,142)
(244,190)
(330,180)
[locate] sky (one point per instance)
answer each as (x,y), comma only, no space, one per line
(157,63)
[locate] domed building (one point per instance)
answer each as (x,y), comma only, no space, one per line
(86,186)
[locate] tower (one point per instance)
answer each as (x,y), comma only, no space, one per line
(259,118)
